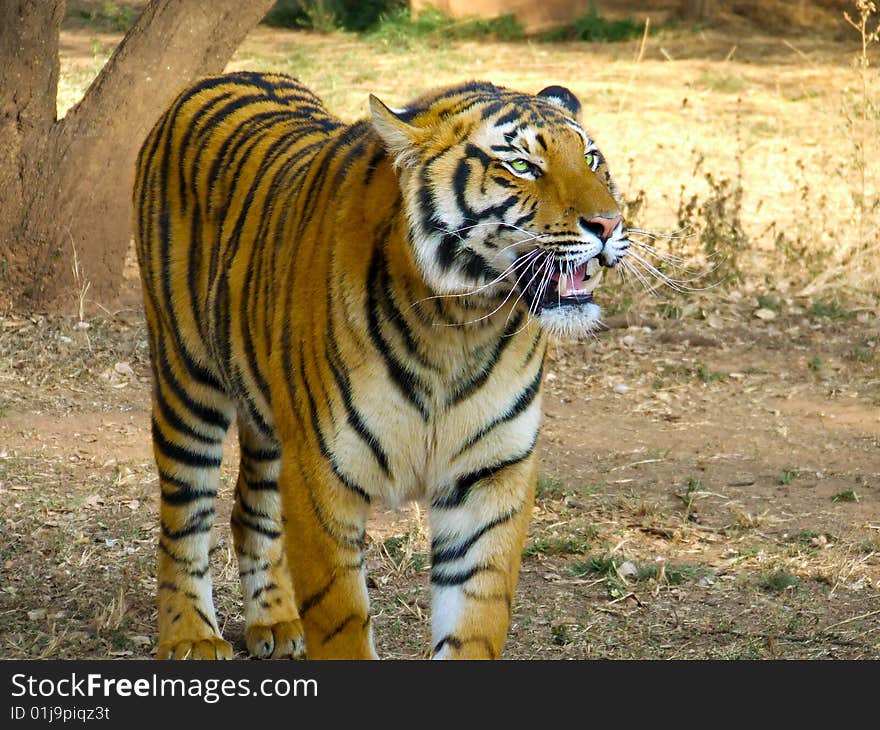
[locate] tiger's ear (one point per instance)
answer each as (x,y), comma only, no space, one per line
(562,96)
(399,137)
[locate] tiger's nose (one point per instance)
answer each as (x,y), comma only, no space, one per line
(601,225)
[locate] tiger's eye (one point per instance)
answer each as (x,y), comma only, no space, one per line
(592,160)
(520,165)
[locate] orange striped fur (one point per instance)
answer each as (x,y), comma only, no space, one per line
(371,303)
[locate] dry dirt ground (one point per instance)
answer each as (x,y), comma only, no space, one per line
(710,488)
(710,479)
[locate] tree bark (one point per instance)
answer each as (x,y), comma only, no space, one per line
(28,90)
(65,185)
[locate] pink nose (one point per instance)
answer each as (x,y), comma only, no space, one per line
(601,225)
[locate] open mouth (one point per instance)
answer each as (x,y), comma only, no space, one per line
(553,283)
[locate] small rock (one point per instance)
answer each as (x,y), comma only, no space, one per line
(620,388)
(764,313)
(123,368)
(36,614)
(707,581)
(627,569)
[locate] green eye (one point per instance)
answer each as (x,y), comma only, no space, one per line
(592,159)
(520,165)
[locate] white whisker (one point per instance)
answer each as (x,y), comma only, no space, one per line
(678,285)
(506,298)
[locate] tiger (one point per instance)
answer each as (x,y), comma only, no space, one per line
(371,302)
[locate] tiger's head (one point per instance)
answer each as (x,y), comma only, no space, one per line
(506,197)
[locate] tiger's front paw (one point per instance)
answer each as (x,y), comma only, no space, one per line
(282,640)
(210,648)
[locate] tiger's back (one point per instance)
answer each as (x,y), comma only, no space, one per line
(353,295)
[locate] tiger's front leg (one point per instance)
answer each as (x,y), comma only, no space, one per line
(479,526)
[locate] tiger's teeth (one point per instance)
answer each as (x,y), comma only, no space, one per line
(592,266)
(561,285)
(593,281)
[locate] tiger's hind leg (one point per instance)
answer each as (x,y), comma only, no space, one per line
(272,625)
(325,541)
(189,426)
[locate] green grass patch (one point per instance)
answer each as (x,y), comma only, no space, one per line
(848,495)
(788,475)
(709,376)
(723,83)
(110,17)
(606,566)
(558,546)
(549,486)
(398,28)
(594,28)
(861,354)
(356,16)
(560,635)
(829,309)
(766,301)
(396,546)
(778,582)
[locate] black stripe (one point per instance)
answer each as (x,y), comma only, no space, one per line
(199,572)
(197,522)
(204,413)
(405,380)
(205,618)
(464,483)
(438,578)
(476,267)
(455,552)
(262,485)
(317,596)
(242,521)
(346,541)
(339,628)
(465,389)
(185,495)
(248,510)
(355,420)
(173,419)
(192,122)
(163,548)
(266,588)
(396,318)
(523,400)
(449,639)
(270,454)
(507,118)
(182,454)
(195,370)
(378,156)
(322,443)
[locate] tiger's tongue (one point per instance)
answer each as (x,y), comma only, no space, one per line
(573,283)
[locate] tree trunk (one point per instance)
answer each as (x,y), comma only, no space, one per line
(65,185)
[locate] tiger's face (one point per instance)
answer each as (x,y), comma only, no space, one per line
(507,198)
